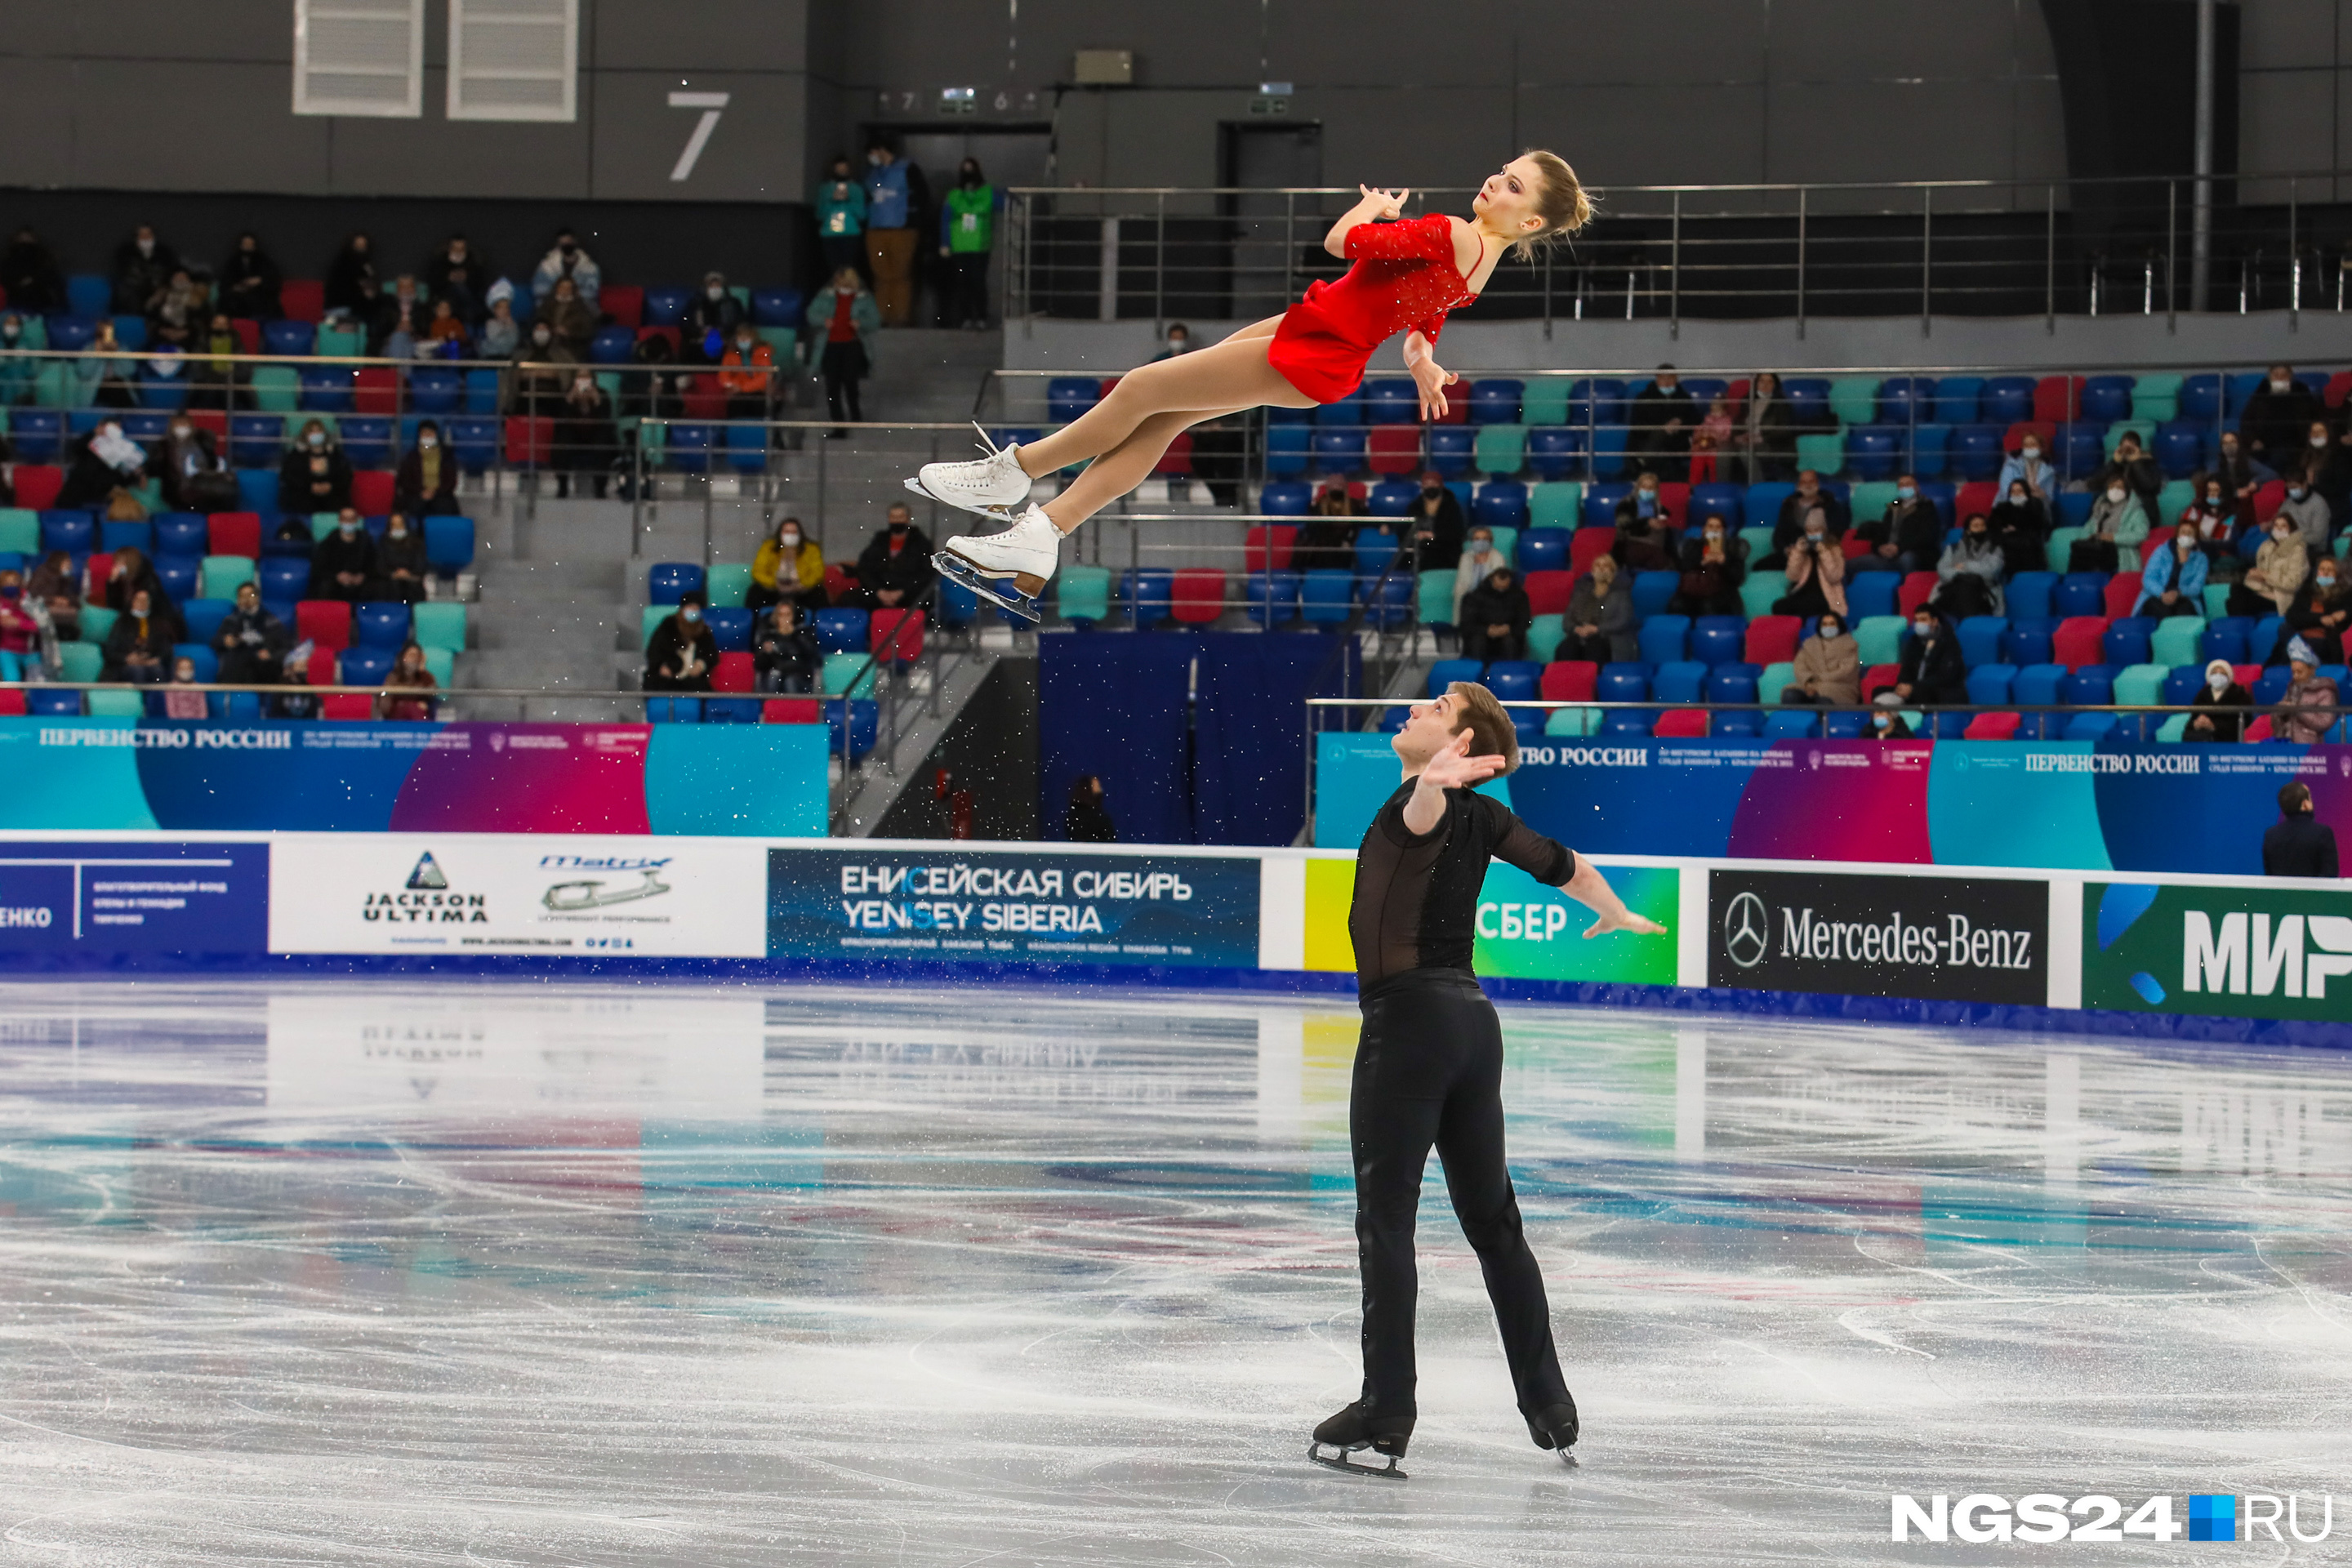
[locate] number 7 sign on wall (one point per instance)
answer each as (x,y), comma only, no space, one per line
(711,104)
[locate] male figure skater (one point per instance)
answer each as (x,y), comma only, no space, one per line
(1429,1064)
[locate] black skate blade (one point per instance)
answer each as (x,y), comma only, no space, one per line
(993,513)
(1338,1460)
(956,569)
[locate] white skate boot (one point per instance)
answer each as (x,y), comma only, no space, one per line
(1012,567)
(993,486)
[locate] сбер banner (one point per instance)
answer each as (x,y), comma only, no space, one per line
(2048,805)
(2276,950)
(1197,911)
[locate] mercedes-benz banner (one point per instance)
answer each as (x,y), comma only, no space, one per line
(1938,938)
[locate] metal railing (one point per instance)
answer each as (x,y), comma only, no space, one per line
(1929,248)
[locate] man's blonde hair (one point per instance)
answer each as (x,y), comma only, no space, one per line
(1491,733)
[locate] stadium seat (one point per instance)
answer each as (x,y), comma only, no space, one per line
(1719,640)
(1197,596)
(2129,641)
(894,637)
(1871,594)
(668,582)
(1991,727)
(326,622)
(840,629)
(1549,592)
(1990,685)
(1980,638)
(2081,640)
(438,625)
(221,575)
(1288,498)
(1082,593)
(1327,596)
(449,543)
(1664,639)
(380,623)
(1772,639)
(1652,591)
(1544,550)
(1879,638)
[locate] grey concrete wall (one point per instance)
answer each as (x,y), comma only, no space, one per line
(2294,94)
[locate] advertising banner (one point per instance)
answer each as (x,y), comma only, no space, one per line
(2278,950)
(473,894)
(151,896)
(2109,805)
(1938,938)
(80,775)
(1525,930)
(1196,910)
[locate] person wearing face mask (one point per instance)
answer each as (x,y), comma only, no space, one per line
(2029,466)
(1931,670)
(788,568)
(400,564)
(2215,517)
(842,318)
(138,646)
(144,266)
(195,478)
(501,333)
(1886,723)
(567,260)
(841,217)
(1480,560)
(1809,496)
(251,642)
(895,567)
(2321,608)
(315,476)
(714,309)
(1906,538)
(1494,617)
(967,227)
(2307,509)
(2273,424)
(748,375)
(250,281)
(785,658)
(353,266)
(2021,526)
(460,273)
(1969,576)
(2173,583)
(587,441)
(216,380)
(1765,432)
(425,484)
(542,372)
(891,209)
(1661,417)
(2325,465)
(1600,624)
(2280,567)
(1180,341)
(2308,710)
(408,672)
(2222,706)
(1714,565)
(343,563)
(681,653)
(1815,570)
(1828,667)
(1434,522)
(2119,522)
(2240,479)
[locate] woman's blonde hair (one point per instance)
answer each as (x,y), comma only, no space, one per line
(1564,204)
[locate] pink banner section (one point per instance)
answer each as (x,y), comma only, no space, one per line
(1870,801)
(528,778)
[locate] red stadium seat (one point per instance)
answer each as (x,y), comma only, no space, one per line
(1878,678)
(839,582)
(346,705)
(1676,499)
(94,574)
(625,303)
(529,442)
(2057,398)
(12,704)
(2267,501)
(733,673)
(1279,536)
(2260,729)
(1176,461)
(376,391)
(322,671)
(704,397)
(2338,385)
(1917,588)
(1772,639)
(1977,496)
(1853,545)
(2123,592)
(1394,449)
(669,332)
(247,334)
(1991,727)
(1569,680)
(1685,722)
(2081,640)
(326,622)
(1457,403)
(1587,545)
(302,299)
(37,485)
(234,533)
(1197,596)
(882,634)
(790,710)
(2043,428)
(372,491)
(2148,547)
(212,421)
(1549,592)
(2246,675)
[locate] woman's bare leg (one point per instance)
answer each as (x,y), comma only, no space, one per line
(1124,467)
(1234,373)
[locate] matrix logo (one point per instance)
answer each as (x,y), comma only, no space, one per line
(2042,1517)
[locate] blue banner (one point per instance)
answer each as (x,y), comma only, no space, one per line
(155,896)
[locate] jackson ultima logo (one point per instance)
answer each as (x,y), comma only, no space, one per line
(1875,935)
(426,896)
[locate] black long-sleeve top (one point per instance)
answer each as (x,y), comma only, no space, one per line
(1416,899)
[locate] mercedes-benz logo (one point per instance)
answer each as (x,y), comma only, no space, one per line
(1746,931)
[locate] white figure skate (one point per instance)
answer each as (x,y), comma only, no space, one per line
(992,486)
(1010,568)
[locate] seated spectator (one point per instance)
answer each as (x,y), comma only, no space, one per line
(1179,337)
(747,373)
(1494,617)
(195,478)
(461,275)
(1931,669)
(587,441)
(2308,712)
(784,655)
(501,334)
(19,628)
(2272,422)
(180,316)
(2027,466)
(1661,416)
(2325,465)
(133,574)
(1765,434)
(1434,522)
(1815,570)
(1908,537)
(445,335)
(682,652)
(573,322)
(1324,543)
(1828,667)
(1714,565)
(138,646)
(408,673)
(314,475)
(425,483)
(55,584)
(2020,528)
(251,642)
(343,563)
(104,377)
(1969,575)
(144,266)
(214,381)
(2298,844)
(2307,509)
(2240,479)
(542,372)
(2215,515)
(788,568)
(896,566)
(1643,503)
(397,329)
(1886,723)
(297,701)
(2280,566)
(2223,707)
(657,389)
(30,276)
(1479,561)
(2173,583)
(713,311)
(104,461)
(567,261)
(400,563)
(1599,620)
(2321,607)
(2119,522)
(180,700)
(1644,542)
(1087,821)
(1790,526)
(1713,435)
(2138,471)
(351,282)
(250,281)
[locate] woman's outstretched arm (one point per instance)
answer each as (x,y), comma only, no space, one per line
(1375,205)
(1421,363)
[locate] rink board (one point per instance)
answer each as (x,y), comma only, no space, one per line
(2194,956)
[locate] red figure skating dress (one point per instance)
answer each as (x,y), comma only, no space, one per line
(1403,277)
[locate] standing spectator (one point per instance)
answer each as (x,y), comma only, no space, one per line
(1908,537)
(841,217)
(966,228)
(895,565)
(179,315)
(1713,435)
(747,373)
(1808,498)
(1494,617)
(1087,821)
(2021,526)
(1714,565)
(2275,418)
(189,463)
(461,275)
(1662,418)
(2308,710)
(250,281)
(19,627)
(1828,668)
(1433,523)
(400,563)
(251,642)
(2308,511)
(1179,341)
(1816,571)
(425,483)
(1969,576)
(890,234)
(350,281)
(2138,471)
(139,644)
(711,321)
(2318,615)
(1601,626)
(58,587)
(587,440)
(784,655)
(788,569)
(144,266)
(568,316)
(841,318)
(2222,706)
(2280,566)
(1766,431)
(315,476)
(104,461)
(568,260)
(2173,583)
(30,275)
(2027,464)
(2298,844)
(1480,560)
(408,673)
(682,652)
(1931,669)
(501,334)
(2119,522)
(343,564)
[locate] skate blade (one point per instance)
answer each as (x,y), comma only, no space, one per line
(993,513)
(1338,1460)
(956,569)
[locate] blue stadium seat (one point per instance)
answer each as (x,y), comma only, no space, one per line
(434,390)
(367,440)
(777,308)
(2030,593)
(1339,449)
(666,305)
(1543,550)
(1975,451)
(1652,589)
(1500,503)
(1068,396)
(1374,551)
(2081,593)
(1872,450)
(2179,447)
(1512,680)
(474,442)
(283,337)
(326,389)
(1287,446)
(2107,399)
(2006,399)
(1285,497)
(1445,672)
(257,441)
(1390,498)
(365,665)
(1727,501)
(38,434)
(380,623)
(612,345)
(181,533)
(1449,448)
(746,449)
(47,704)
(1327,596)
(1679,681)
(74,530)
(2270,690)
(2028,642)
(731,627)
(668,582)
(2182,685)
(688,711)
(204,618)
(449,543)
(139,536)
(1664,639)
(1599,508)
(1622,683)
(731,709)
(1872,594)
(1981,639)
(1391,400)
(1718,640)
(283,577)
(1495,401)
(1273,598)
(839,630)
(2082,449)
(1347,412)
(1554,451)
(1990,685)
(687,448)
(1956,399)
(2126,642)
(1787,725)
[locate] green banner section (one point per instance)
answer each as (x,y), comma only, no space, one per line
(2275,951)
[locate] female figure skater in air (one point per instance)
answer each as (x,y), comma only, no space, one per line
(1407,274)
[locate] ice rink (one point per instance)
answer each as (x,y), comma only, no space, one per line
(451,1272)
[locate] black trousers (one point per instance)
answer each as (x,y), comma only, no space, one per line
(1428,1071)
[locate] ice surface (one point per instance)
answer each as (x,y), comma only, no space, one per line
(455,1272)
